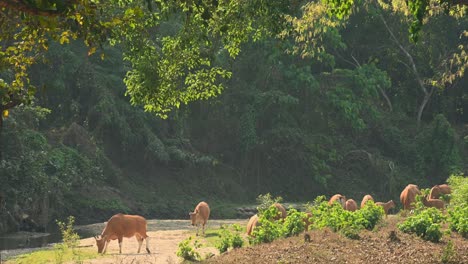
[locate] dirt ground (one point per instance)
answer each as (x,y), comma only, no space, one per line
(163,242)
(326,246)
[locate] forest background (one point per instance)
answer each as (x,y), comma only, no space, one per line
(359,103)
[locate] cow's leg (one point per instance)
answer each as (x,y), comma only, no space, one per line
(120,244)
(198,226)
(147,245)
(139,240)
(105,246)
(203,229)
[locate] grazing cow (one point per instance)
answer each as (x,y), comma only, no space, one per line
(408,196)
(341,199)
(281,210)
(438,190)
(351,205)
(366,198)
(437,203)
(253,222)
(200,216)
(386,206)
(120,226)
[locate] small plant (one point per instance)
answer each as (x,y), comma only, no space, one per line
(59,251)
(70,238)
(425,224)
(266,200)
(237,241)
(225,240)
(188,251)
(268,228)
(448,254)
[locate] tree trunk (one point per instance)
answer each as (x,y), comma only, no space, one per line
(423,104)
(427,94)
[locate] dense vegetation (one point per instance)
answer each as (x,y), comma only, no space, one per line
(357,109)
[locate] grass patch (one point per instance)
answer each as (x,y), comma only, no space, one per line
(212,236)
(56,255)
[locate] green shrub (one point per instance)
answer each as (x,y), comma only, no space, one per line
(458,219)
(425,224)
(294,223)
(187,251)
(347,223)
(229,239)
(370,215)
(459,185)
(237,241)
(268,228)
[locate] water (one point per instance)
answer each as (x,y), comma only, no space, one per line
(22,239)
(27,240)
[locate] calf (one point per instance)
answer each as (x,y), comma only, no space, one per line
(200,216)
(386,206)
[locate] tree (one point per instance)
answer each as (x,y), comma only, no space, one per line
(169,44)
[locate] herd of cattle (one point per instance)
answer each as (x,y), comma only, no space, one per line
(120,225)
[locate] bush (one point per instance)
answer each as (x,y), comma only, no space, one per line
(268,228)
(229,239)
(459,185)
(370,215)
(458,219)
(294,223)
(425,224)
(347,223)
(187,252)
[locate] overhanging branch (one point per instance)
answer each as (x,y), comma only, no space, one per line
(22,6)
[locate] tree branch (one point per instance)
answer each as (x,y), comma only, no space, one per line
(22,6)
(410,58)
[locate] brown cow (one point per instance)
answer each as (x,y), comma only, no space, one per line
(253,222)
(408,196)
(366,198)
(120,226)
(437,203)
(351,205)
(386,206)
(200,216)
(281,210)
(341,199)
(438,190)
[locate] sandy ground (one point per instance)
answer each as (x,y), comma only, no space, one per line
(163,243)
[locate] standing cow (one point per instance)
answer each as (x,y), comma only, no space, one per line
(408,196)
(366,198)
(341,199)
(120,226)
(200,216)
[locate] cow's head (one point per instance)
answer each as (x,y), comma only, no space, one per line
(100,242)
(193,216)
(342,201)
